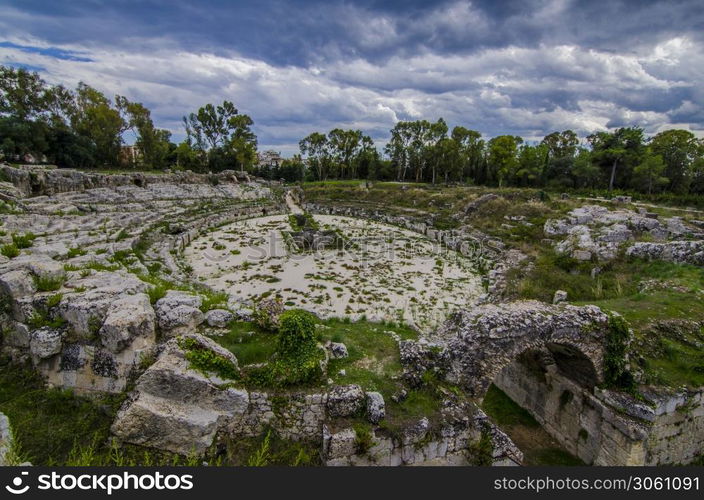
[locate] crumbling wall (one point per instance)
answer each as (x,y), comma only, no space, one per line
(604,427)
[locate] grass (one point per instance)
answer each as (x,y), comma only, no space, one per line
(10,250)
(504,411)
(49,283)
(46,422)
(248,343)
(213,300)
(373,354)
(537,446)
(23,240)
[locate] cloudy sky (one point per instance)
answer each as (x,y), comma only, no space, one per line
(521,67)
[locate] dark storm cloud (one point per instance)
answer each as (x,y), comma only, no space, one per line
(519,67)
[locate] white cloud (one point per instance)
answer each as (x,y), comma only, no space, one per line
(519,90)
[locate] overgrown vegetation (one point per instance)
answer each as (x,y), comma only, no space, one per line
(615,362)
(207,361)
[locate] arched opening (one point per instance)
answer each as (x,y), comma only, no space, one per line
(138,181)
(538,400)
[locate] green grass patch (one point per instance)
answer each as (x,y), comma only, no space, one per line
(248,343)
(504,411)
(23,240)
(10,250)
(49,283)
(49,423)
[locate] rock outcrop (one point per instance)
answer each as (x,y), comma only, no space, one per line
(680,252)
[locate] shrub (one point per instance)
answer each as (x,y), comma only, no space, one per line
(49,283)
(122,235)
(363,440)
(296,332)
(23,240)
(10,250)
(156,292)
(54,300)
(481,453)
(75,252)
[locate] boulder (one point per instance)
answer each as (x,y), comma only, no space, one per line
(5,440)
(47,269)
(219,318)
(17,283)
(179,312)
(177,408)
(128,317)
(45,342)
(560,296)
(472,207)
(341,444)
(376,407)
(338,350)
(345,401)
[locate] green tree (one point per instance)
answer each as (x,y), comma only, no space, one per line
(618,151)
(470,148)
(531,162)
(678,149)
(649,174)
(153,143)
(222,135)
(585,173)
(94,118)
(317,150)
(502,157)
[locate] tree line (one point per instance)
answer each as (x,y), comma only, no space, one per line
(83,128)
(424,151)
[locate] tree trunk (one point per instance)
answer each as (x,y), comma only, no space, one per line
(613,175)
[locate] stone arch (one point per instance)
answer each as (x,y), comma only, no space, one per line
(483,341)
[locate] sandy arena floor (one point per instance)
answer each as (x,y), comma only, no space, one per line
(386,273)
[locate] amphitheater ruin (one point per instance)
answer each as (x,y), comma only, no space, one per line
(114,273)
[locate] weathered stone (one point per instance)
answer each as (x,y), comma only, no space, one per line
(559,296)
(338,350)
(6,440)
(376,407)
(345,401)
(482,341)
(219,318)
(341,444)
(45,342)
(17,283)
(128,317)
(690,252)
(179,312)
(176,408)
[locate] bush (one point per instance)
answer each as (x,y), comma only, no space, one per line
(10,251)
(296,332)
(156,292)
(23,240)
(49,283)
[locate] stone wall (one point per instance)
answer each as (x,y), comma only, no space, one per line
(609,428)
(34,180)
